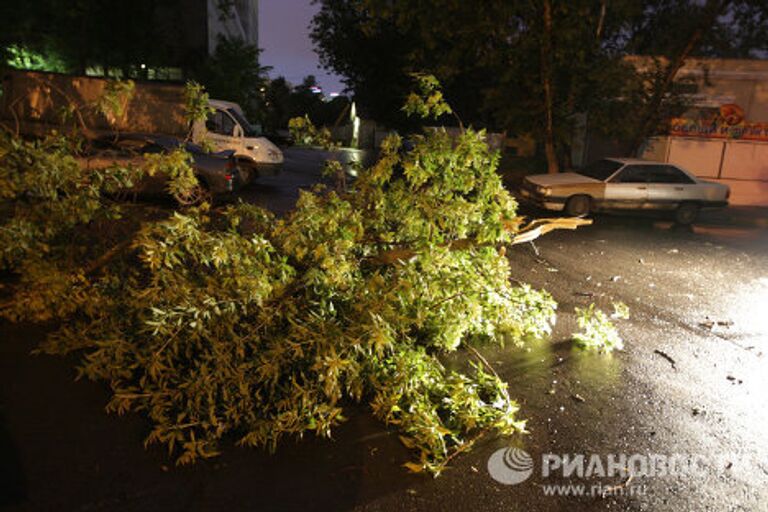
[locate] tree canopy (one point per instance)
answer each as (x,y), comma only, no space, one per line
(111,35)
(529,67)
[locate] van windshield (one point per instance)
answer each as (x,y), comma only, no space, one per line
(601,169)
(248,129)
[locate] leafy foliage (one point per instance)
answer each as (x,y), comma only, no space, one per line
(234,323)
(597,331)
(305,133)
(196,102)
(428,101)
(45,196)
(114,100)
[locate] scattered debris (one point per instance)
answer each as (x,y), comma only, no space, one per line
(578,397)
(584,294)
(696,411)
(734,380)
(474,469)
(550,269)
(620,310)
(672,251)
(641,261)
(710,324)
(560,360)
(615,278)
(667,357)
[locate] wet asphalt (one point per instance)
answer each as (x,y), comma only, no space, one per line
(691,382)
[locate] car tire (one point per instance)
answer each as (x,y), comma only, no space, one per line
(196,196)
(578,206)
(248,171)
(686,213)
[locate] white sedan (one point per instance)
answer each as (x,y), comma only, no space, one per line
(625,184)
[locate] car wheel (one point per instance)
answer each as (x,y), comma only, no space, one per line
(198,195)
(686,213)
(578,206)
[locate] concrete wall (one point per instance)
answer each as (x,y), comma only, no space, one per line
(36,100)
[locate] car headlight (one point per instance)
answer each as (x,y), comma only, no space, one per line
(544,191)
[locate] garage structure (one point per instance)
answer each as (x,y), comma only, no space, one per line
(740,164)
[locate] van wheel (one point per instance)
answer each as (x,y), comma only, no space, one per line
(686,213)
(578,206)
(248,171)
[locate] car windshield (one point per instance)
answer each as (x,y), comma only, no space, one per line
(248,129)
(601,169)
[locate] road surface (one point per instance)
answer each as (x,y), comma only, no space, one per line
(691,383)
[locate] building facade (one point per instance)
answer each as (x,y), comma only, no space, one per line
(232,19)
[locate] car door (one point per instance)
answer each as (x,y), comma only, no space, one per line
(628,189)
(669,186)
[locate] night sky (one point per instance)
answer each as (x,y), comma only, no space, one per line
(284,37)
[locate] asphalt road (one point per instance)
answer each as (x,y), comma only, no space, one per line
(691,382)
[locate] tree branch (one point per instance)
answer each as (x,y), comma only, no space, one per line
(530,232)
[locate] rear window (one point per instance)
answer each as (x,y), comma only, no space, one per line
(601,169)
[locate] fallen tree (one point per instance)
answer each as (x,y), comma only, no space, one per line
(236,323)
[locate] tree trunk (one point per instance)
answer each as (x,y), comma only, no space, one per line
(711,11)
(546,82)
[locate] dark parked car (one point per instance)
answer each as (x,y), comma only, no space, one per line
(218,173)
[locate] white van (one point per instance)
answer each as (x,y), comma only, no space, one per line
(227,128)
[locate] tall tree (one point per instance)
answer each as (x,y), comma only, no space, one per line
(546,84)
(371,52)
